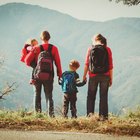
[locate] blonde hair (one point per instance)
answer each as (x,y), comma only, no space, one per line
(28,41)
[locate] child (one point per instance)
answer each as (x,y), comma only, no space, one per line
(69,82)
(27,48)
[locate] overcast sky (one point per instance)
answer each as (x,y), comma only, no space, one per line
(96,10)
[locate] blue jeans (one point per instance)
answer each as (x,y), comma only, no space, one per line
(48,88)
(103,82)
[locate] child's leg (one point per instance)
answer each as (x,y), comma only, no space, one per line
(65,105)
(73,99)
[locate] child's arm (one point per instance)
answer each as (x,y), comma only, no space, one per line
(79,83)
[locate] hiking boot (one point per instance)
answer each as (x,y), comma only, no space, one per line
(74,117)
(52,116)
(65,117)
(102,119)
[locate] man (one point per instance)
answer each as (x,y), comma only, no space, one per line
(47,84)
(99,65)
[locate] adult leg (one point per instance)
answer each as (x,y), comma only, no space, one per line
(37,90)
(73,99)
(48,88)
(92,90)
(103,105)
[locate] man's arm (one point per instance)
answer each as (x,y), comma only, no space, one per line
(57,62)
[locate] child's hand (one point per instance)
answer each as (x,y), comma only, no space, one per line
(59,80)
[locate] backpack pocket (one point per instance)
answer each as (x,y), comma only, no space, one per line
(43,76)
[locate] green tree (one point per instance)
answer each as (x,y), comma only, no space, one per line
(128,2)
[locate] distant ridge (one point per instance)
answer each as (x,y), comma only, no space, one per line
(72,36)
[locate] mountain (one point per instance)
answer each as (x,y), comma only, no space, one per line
(72,37)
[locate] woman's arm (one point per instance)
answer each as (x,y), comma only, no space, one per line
(111,77)
(85,72)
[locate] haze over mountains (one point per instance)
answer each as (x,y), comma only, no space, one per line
(19,21)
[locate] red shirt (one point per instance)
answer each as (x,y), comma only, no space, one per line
(55,54)
(109,57)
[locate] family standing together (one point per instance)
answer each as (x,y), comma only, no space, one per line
(98,65)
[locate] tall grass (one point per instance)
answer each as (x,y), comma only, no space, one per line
(23,120)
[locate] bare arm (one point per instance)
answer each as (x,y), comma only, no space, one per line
(111,77)
(85,72)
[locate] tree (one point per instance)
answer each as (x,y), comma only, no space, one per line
(128,2)
(9,87)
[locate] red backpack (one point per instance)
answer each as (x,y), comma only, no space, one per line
(44,68)
(24,52)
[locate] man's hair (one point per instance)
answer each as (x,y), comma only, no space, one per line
(45,35)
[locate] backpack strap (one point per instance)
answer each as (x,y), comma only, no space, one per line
(93,46)
(41,48)
(50,47)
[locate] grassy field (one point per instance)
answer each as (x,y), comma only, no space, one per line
(23,120)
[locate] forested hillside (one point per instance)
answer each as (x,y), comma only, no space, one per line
(72,37)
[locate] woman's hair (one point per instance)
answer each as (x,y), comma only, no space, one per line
(101,38)
(45,35)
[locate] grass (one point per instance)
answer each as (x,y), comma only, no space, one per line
(22,120)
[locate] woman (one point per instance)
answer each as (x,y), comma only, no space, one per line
(101,78)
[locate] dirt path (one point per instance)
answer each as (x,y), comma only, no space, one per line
(47,135)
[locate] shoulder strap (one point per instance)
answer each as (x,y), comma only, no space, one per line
(50,47)
(93,46)
(41,48)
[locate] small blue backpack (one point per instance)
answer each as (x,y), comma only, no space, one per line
(68,82)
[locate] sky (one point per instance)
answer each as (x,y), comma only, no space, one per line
(95,10)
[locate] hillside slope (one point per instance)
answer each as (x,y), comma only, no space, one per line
(21,21)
